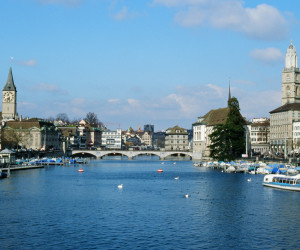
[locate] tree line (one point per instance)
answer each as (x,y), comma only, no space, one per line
(90,118)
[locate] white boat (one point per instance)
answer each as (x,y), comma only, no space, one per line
(282,181)
(198,164)
(230,169)
(263,170)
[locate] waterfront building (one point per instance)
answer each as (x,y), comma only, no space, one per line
(94,137)
(112,139)
(259,132)
(69,137)
(83,131)
(283,117)
(296,137)
(176,139)
(205,125)
(81,136)
(137,139)
(147,138)
(33,133)
(9,101)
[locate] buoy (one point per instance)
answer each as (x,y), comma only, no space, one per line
(160,170)
(249,180)
(80,170)
(120,186)
(187,196)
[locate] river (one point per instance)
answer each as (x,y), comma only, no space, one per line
(60,208)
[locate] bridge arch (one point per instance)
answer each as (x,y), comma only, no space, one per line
(113,153)
(169,154)
(141,153)
(84,154)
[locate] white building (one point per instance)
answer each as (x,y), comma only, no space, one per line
(259,132)
(112,139)
(199,135)
(282,118)
(296,136)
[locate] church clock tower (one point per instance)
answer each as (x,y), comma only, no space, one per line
(291,77)
(9,101)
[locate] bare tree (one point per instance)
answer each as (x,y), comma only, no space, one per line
(63,117)
(11,138)
(51,119)
(92,119)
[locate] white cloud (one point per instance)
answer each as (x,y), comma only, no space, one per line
(29,63)
(219,91)
(262,22)
(50,88)
(124,14)
(133,102)
(268,55)
(113,100)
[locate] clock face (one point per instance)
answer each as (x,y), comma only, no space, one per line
(8,97)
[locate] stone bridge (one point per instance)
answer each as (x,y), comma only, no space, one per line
(99,154)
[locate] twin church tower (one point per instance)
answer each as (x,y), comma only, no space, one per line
(9,101)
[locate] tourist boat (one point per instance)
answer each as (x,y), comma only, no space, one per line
(282,181)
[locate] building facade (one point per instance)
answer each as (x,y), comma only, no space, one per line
(296,137)
(283,117)
(33,134)
(112,139)
(176,139)
(259,132)
(204,127)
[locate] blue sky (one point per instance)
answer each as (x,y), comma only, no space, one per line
(161,62)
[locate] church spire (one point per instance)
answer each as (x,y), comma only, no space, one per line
(229,94)
(10,86)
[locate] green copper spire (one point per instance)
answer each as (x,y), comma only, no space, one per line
(10,86)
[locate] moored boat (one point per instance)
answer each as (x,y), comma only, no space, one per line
(282,181)
(3,174)
(198,164)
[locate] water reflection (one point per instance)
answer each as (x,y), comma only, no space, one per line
(58,207)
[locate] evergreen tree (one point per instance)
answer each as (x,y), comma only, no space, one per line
(228,140)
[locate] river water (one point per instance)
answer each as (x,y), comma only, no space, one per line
(60,208)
